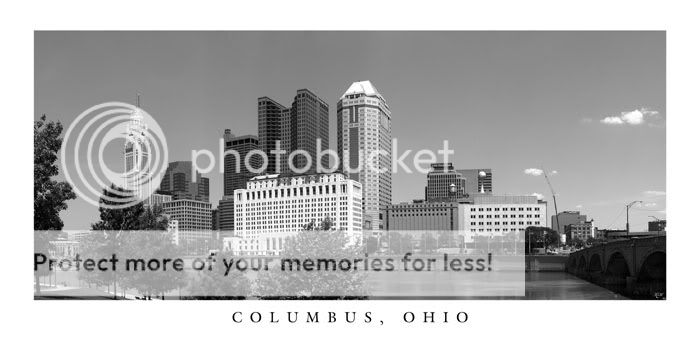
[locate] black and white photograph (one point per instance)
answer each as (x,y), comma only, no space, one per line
(341,165)
(252,179)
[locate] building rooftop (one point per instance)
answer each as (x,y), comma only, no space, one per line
(362,87)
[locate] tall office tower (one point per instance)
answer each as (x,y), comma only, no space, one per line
(236,173)
(178,182)
(444,183)
(364,144)
(297,128)
(302,125)
(479,181)
(269,130)
(227,213)
(136,155)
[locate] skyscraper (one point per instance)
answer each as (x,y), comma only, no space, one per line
(236,174)
(364,144)
(297,128)
(136,155)
(179,183)
(269,130)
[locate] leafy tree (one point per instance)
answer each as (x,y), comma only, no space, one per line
(400,243)
(50,196)
(315,242)
(216,284)
(577,242)
(428,243)
(42,245)
(130,217)
(371,245)
(536,235)
(147,245)
(114,237)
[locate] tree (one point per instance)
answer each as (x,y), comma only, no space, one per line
(216,284)
(50,196)
(428,243)
(130,217)
(400,243)
(114,237)
(535,236)
(147,246)
(315,243)
(371,245)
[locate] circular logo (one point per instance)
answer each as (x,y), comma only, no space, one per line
(140,157)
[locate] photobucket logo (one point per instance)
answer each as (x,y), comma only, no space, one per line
(142,157)
(302,161)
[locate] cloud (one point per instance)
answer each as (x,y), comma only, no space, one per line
(653,193)
(650,204)
(538,195)
(636,117)
(587,120)
(533,171)
(579,206)
(554,172)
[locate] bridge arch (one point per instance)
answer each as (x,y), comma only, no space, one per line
(595,265)
(651,278)
(616,272)
(572,264)
(581,266)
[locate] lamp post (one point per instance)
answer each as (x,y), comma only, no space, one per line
(627,207)
(658,226)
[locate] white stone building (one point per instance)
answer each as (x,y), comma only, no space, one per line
(274,207)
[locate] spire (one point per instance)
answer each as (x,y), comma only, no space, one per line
(138,100)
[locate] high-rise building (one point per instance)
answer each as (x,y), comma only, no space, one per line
(274,207)
(215,219)
(297,128)
(567,218)
(444,183)
(193,219)
(478,181)
(180,184)
(269,130)
(364,144)
(136,162)
(227,214)
(236,173)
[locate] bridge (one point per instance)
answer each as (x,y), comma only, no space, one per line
(635,267)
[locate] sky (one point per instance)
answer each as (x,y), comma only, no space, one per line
(587,106)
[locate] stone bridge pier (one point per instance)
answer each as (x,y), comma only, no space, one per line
(635,267)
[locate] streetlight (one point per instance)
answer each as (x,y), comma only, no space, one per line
(657,222)
(627,207)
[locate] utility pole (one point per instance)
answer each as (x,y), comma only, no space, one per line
(627,207)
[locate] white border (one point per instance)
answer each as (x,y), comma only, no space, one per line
(570,324)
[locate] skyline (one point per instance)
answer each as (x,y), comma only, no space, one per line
(510,89)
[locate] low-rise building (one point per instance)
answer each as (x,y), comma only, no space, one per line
(273,207)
